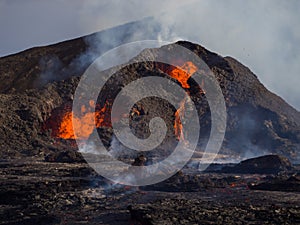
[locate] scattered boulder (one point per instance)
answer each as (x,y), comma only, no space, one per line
(139,161)
(290,184)
(267,164)
(65,157)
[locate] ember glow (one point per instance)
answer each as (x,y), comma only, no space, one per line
(86,121)
(183,73)
(178,124)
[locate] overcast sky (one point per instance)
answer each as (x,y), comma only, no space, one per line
(262,34)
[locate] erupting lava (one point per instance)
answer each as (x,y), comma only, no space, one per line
(183,73)
(86,121)
(178,124)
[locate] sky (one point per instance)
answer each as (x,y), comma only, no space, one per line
(262,34)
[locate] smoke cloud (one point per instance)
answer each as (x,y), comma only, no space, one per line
(263,35)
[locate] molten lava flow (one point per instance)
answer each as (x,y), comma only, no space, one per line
(178,124)
(183,73)
(102,116)
(86,121)
(66,128)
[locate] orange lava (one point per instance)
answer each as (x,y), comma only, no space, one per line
(178,124)
(86,122)
(183,73)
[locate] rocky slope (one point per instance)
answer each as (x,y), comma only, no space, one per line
(44,180)
(38,86)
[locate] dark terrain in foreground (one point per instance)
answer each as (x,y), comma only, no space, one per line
(39,192)
(44,180)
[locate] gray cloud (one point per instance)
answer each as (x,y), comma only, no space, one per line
(263,35)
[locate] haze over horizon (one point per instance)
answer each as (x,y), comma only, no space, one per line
(263,35)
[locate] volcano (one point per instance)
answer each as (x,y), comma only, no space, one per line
(45,180)
(37,89)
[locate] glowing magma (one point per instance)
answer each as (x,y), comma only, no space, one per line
(183,73)
(86,121)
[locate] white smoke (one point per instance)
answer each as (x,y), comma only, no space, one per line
(264,35)
(117,150)
(89,148)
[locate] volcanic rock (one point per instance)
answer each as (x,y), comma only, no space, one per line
(267,164)
(42,181)
(39,83)
(204,211)
(139,161)
(290,184)
(65,157)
